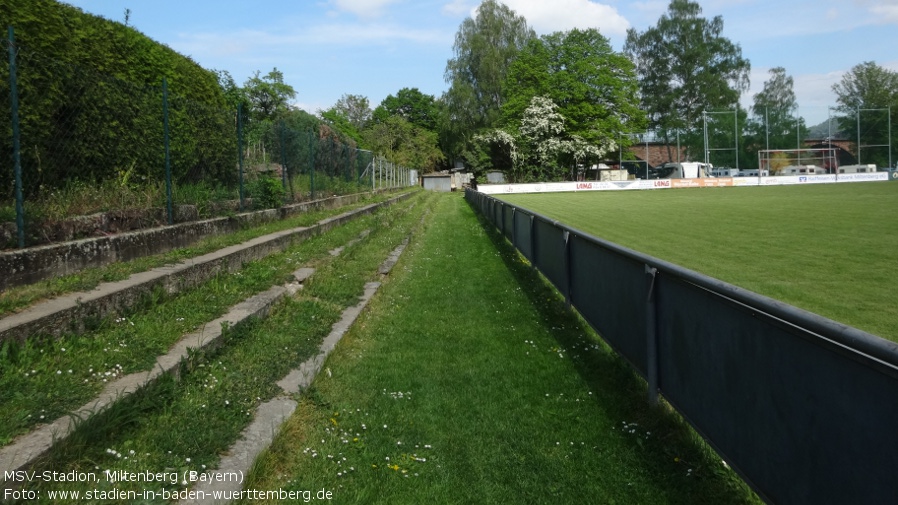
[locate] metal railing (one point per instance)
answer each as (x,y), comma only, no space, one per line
(802,407)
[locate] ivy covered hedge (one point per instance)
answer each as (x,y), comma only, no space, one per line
(90,103)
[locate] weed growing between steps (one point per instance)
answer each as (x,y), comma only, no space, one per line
(17,298)
(467,381)
(185,424)
(44,379)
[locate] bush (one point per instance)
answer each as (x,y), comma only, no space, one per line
(267,193)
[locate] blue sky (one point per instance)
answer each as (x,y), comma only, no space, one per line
(327,48)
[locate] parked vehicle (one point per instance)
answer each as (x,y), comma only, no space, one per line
(753,173)
(802,170)
(725,172)
(685,170)
(857,169)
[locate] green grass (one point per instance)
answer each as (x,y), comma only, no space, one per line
(43,379)
(467,381)
(823,248)
(184,424)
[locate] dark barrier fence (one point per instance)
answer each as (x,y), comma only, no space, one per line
(804,408)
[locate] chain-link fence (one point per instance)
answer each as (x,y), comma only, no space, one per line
(78,141)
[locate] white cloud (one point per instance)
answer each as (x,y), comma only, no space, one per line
(887,14)
(560,15)
(457,7)
(363,8)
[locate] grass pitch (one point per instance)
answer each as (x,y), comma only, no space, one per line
(829,249)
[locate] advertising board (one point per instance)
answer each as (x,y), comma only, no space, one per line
(705,182)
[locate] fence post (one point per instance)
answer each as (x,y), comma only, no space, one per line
(16,146)
(567,269)
(240,150)
(166,142)
(533,242)
(502,219)
(312,146)
(651,336)
(283,162)
(514,211)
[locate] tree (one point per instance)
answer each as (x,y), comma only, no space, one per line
(594,87)
(775,124)
(269,96)
(541,148)
(416,107)
(356,110)
(340,123)
(484,48)
(268,99)
(686,67)
(404,143)
(869,86)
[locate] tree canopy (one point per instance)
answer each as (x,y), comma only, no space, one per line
(416,107)
(686,66)
(870,91)
(484,48)
(355,108)
(776,124)
(594,87)
(269,96)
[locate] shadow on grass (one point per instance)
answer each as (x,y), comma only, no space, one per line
(674,449)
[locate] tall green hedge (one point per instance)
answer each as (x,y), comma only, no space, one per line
(90,101)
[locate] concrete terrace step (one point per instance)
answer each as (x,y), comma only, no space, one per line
(271,415)
(25,450)
(28,448)
(66,314)
(24,266)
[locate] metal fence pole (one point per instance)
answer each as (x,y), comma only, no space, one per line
(533,242)
(283,161)
(312,146)
(567,269)
(16,149)
(651,336)
(166,142)
(240,150)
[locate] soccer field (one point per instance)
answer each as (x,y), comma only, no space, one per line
(826,248)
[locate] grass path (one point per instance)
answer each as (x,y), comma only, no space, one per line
(467,381)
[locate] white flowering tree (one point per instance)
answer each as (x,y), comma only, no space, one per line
(541,149)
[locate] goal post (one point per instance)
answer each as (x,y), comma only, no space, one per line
(821,160)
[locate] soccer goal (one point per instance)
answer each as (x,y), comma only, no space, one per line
(788,161)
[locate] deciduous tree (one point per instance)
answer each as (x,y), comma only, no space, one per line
(686,66)
(776,124)
(416,107)
(594,87)
(485,46)
(869,86)
(355,108)
(540,148)
(268,95)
